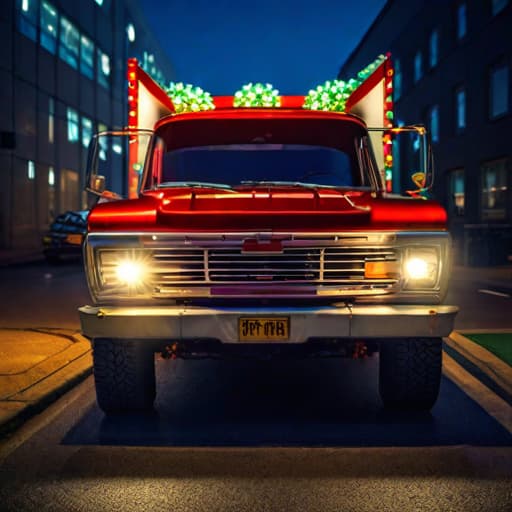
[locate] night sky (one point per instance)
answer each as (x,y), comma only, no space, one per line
(220,45)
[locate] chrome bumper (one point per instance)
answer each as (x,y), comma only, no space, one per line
(180,323)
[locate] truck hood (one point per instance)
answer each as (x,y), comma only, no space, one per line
(264,208)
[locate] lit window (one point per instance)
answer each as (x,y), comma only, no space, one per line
(457,195)
(51,120)
(117,148)
(27,18)
(72,116)
(498,91)
(49,24)
(86,131)
(397,80)
(434,123)
(87,57)
(103,142)
(418,66)
(434,48)
(494,190)
(51,193)
(498,6)
(31,170)
(103,68)
(99,2)
(130,32)
(460,102)
(461,21)
(69,46)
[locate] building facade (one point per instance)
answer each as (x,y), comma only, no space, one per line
(63,78)
(453,72)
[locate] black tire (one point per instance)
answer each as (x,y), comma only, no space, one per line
(124,373)
(410,373)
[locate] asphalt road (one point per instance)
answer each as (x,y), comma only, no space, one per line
(301,435)
(296,435)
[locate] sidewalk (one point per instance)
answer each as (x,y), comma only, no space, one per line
(36,367)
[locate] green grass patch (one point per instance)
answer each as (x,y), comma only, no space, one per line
(500,344)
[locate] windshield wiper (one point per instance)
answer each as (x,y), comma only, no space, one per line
(311,186)
(198,184)
(290,184)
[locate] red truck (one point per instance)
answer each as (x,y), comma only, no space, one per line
(266,230)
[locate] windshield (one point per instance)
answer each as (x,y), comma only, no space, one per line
(276,148)
(239,164)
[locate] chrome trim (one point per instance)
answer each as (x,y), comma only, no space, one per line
(180,323)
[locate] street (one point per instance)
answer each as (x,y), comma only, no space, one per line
(265,435)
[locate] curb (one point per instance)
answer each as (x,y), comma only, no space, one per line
(496,369)
(49,381)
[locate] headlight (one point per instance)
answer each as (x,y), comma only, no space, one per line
(124,272)
(420,267)
(130,273)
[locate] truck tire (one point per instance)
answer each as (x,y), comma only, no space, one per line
(124,374)
(410,373)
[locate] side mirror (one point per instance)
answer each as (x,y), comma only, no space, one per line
(403,156)
(96,184)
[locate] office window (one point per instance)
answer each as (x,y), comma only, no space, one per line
(433,121)
(87,57)
(494,190)
(498,6)
(86,131)
(457,194)
(130,32)
(31,170)
(460,107)
(27,18)
(461,21)
(49,23)
(418,66)
(434,48)
(51,120)
(72,116)
(397,80)
(51,193)
(103,68)
(69,44)
(498,91)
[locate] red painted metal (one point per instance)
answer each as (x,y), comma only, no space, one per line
(282,209)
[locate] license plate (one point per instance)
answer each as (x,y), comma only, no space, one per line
(74,239)
(256,328)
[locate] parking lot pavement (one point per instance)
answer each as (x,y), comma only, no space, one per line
(36,367)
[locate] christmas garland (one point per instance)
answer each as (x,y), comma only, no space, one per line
(187,98)
(257,95)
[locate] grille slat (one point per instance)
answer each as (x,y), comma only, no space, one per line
(340,265)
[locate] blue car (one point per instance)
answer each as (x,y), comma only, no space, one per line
(65,237)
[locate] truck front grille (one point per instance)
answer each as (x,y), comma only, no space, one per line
(342,266)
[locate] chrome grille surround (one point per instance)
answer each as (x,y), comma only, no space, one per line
(214,265)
